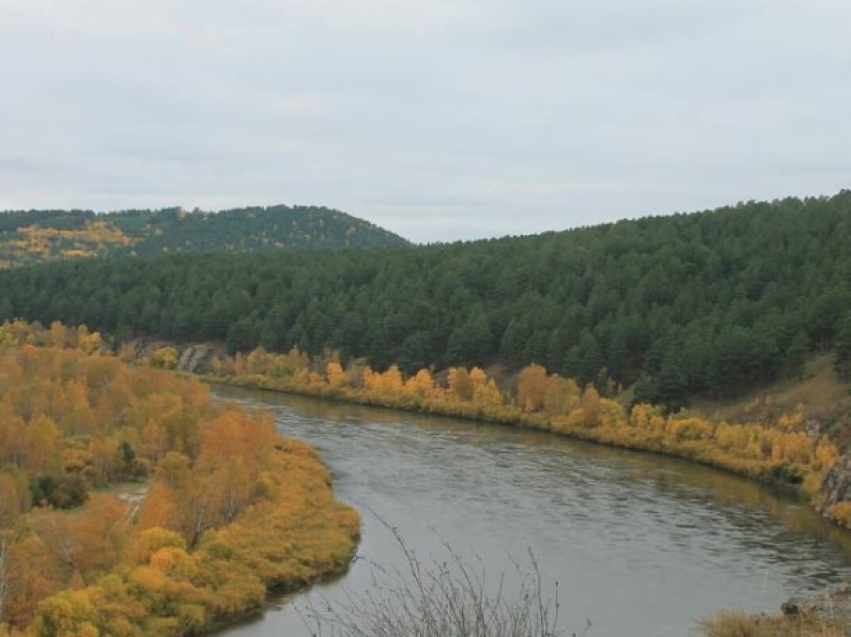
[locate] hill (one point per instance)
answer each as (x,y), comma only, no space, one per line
(709,305)
(36,236)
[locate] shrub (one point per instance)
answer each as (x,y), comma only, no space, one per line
(441,598)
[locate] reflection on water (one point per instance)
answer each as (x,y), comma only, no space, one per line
(640,544)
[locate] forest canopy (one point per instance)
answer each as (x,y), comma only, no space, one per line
(709,303)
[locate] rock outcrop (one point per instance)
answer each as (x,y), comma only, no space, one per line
(837,483)
(196,359)
(192,358)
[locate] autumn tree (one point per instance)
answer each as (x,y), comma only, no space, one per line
(485,391)
(460,385)
(421,383)
(335,375)
(532,388)
(561,395)
(43,442)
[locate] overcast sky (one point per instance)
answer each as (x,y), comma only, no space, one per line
(438,119)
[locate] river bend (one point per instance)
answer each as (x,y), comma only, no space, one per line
(640,544)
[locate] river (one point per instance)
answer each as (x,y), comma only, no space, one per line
(640,544)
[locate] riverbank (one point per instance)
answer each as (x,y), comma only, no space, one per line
(825,615)
(297,534)
(224,511)
(639,543)
(786,454)
(786,449)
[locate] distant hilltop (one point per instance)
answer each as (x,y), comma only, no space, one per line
(35,236)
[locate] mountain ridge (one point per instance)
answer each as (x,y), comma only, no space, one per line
(36,236)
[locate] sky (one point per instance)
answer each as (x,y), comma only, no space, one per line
(441,120)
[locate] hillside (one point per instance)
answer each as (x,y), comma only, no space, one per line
(819,396)
(705,305)
(28,237)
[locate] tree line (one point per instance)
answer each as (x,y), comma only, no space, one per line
(784,452)
(691,304)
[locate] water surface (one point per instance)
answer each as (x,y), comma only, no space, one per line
(640,544)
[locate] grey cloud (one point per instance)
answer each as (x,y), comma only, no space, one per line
(441,120)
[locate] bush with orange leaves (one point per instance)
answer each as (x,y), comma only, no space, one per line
(224,509)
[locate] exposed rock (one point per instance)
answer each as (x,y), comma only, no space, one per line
(196,359)
(837,483)
(193,358)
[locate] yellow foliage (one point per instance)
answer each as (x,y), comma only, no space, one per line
(76,413)
(487,394)
(611,414)
(390,381)
(562,396)
(590,403)
(690,429)
(163,358)
(532,388)
(791,421)
(259,362)
(460,384)
(334,373)
(420,383)
(841,512)
(151,540)
(826,455)
(69,614)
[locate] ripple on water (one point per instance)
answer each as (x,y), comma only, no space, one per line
(640,544)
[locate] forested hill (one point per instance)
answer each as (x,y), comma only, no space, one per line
(709,303)
(41,235)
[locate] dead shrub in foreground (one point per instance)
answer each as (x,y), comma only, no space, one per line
(435,598)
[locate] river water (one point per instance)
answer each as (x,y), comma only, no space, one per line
(640,545)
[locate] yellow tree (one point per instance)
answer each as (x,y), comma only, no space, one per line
(43,443)
(391,381)
(561,395)
(73,411)
(259,361)
(12,500)
(485,391)
(58,335)
(460,385)
(590,403)
(13,440)
(90,343)
(335,375)
(153,441)
(159,509)
(35,574)
(105,459)
(420,384)
(532,388)
(88,542)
